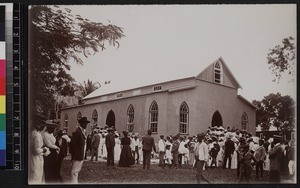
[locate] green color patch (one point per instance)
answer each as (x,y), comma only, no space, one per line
(2,122)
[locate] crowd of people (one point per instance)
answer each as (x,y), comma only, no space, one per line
(217,147)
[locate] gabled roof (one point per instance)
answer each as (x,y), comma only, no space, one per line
(247,102)
(225,68)
(112,88)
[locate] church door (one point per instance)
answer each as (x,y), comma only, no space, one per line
(110,119)
(217,119)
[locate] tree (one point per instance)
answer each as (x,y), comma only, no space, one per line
(277,110)
(282,58)
(88,87)
(56,38)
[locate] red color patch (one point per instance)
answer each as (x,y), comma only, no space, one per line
(2,86)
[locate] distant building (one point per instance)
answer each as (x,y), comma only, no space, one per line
(186,106)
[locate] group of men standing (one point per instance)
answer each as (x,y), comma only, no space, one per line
(78,148)
(201,153)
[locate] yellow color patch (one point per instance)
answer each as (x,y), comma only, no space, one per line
(2,105)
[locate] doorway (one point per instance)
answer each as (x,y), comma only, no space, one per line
(110,119)
(217,119)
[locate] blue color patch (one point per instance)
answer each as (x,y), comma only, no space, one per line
(2,140)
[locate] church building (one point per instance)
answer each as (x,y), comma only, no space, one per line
(187,106)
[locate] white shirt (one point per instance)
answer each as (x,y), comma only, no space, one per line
(182,149)
(161,145)
(49,140)
(136,142)
(203,152)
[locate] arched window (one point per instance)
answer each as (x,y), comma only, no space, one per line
(66,122)
(183,118)
(130,118)
(79,115)
(153,117)
(218,72)
(94,117)
(244,121)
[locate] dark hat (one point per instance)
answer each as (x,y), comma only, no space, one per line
(51,123)
(110,129)
(242,139)
(125,133)
(201,135)
(83,120)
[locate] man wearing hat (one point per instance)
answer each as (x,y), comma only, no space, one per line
(275,156)
(148,144)
(77,148)
(201,156)
(229,149)
(110,146)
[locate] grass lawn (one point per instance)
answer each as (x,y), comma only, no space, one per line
(96,173)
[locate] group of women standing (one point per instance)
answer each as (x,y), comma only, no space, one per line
(46,154)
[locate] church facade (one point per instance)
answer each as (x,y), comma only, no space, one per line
(187,106)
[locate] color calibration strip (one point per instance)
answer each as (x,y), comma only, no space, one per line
(10,106)
(2,88)
(16,83)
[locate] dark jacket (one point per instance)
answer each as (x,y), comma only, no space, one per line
(175,146)
(110,141)
(291,153)
(63,152)
(148,143)
(229,147)
(275,155)
(77,145)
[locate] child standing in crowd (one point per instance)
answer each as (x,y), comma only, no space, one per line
(214,153)
(168,156)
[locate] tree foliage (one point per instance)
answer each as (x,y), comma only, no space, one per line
(277,110)
(88,87)
(56,38)
(282,58)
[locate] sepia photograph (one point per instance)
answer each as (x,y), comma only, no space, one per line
(162,94)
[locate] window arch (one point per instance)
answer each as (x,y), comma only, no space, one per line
(244,121)
(183,118)
(66,122)
(130,118)
(79,115)
(94,117)
(218,70)
(153,111)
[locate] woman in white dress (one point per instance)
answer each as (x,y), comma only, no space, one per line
(234,158)
(37,151)
(51,171)
(117,149)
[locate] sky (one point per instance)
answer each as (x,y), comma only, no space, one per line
(175,41)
